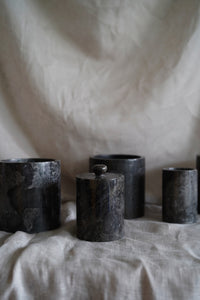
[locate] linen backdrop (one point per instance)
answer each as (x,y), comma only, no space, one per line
(79,78)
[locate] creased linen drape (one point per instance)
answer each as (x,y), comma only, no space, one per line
(79,78)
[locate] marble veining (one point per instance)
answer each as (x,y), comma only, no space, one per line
(179,195)
(133,169)
(29,195)
(198,169)
(100,207)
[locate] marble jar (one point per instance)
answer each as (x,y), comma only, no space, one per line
(29,194)
(198,168)
(179,198)
(100,205)
(133,169)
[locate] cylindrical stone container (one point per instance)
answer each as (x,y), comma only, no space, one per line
(198,168)
(179,195)
(133,169)
(29,195)
(100,205)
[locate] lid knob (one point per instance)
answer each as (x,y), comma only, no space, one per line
(99,169)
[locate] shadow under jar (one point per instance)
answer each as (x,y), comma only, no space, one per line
(179,200)
(29,195)
(133,169)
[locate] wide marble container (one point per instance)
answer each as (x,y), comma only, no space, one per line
(133,169)
(29,195)
(100,205)
(179,200)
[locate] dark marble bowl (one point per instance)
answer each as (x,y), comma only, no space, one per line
(29,194)
(179,195)
(133,168)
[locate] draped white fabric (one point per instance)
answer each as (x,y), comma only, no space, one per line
(100,76)
(79,78)
(155,261)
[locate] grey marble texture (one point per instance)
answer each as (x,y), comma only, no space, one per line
(29,195)
(198,168)
(100,206)
(179,202)
(133,169)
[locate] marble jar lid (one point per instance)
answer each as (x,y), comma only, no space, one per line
(99,172)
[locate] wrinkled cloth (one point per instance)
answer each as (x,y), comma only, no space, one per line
(79,78)
(155,260)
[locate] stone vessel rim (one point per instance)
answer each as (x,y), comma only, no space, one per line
(27,160)
(93,177)
(179,169)
(119,157)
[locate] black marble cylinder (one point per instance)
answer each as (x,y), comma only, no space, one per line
(100,205)
(29,195)
(198,168)
(179,195)
(133,168)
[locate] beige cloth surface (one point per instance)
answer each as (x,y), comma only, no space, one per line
(79,78)
(155,261)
